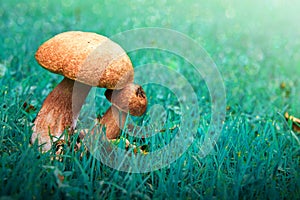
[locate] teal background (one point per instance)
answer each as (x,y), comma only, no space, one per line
(256,46)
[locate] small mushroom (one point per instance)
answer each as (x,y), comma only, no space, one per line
(131,99)
(90,59)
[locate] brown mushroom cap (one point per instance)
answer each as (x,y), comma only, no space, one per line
(131,98)
(88,58)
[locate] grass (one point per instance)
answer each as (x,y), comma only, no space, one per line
(256,48)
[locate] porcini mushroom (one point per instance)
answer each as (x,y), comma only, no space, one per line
(89,58)
(131,99)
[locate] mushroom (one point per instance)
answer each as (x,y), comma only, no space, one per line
(131,99)
(90,59)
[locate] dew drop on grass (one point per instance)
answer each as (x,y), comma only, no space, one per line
(2,70)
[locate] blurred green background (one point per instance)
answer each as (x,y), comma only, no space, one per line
(257,41)
(256,46)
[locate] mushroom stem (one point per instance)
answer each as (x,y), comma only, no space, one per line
(59,112)
(114,121)
(130,99)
